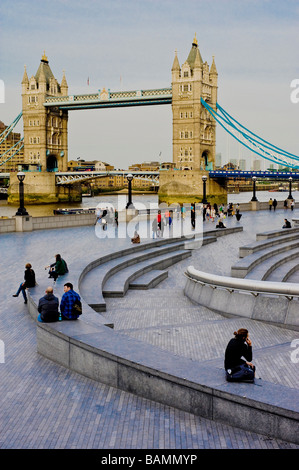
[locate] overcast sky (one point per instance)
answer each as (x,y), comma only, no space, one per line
(130,44)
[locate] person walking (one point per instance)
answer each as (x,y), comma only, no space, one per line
(274,204)
(29,281)
(237,368)
(48,307)
(270,203)
(69,299)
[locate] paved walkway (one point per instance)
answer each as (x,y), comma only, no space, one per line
(43,405)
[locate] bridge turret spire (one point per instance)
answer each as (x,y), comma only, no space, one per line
(25,79)
(176,64)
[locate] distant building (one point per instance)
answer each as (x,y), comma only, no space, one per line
(256,165)
(218,159)
(13,163)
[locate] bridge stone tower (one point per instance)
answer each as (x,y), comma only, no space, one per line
(45,140)
(45,128)
(194,130)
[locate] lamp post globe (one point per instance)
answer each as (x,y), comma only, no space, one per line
(290,188)
(130,203)
(254,198)
(204,197)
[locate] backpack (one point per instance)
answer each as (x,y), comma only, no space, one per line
(77,307)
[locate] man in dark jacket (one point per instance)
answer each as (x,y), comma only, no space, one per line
(48,307)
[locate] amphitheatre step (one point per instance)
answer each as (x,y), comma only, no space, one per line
(276,233)
(92,283)
(118,284)
(149,280)
(242,268)
(285,271)
(266,243)
(276,263)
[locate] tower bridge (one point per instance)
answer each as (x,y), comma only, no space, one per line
(195,113)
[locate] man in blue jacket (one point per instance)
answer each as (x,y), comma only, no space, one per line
(69,298)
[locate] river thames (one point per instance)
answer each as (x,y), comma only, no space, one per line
(140,201)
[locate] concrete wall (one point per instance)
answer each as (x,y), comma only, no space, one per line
(277,310)
(101,354)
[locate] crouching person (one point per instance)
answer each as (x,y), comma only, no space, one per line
(48,307)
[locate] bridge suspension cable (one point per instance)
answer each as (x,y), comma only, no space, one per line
(9,129)
(10,153)
(250,140)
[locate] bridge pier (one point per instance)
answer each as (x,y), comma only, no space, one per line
(184,185)
(41,188)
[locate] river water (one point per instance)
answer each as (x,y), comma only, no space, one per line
(140,201)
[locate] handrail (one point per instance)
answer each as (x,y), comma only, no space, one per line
(255,287)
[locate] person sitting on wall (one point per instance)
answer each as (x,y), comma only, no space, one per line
(48,307)
(287,224)
(220,224)
(238,357)
(59,268)
(29,281)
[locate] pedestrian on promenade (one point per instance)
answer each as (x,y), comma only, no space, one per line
(193,216)
(204,212)
(69,301)
(292,205)
(155,228)
(59,268)
(136,238)
(48,307)
(237,368)
(29,281)
(270,203)
(274,204)
(287,224)
(285,204)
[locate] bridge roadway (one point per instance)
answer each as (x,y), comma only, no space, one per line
(69,177)
(46,406)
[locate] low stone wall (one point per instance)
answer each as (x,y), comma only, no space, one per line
(99,353)
(273,309)
(7,225)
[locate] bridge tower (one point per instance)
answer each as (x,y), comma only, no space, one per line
(194,130)
(45,129)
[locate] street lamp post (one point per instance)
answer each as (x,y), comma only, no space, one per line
(204,198)
(21,210)
(254,198)
(129,203)
(290,188)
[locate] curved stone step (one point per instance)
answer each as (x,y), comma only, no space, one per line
(275,263)
(148,280)
(266,243)
(242,268)
(117,285)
